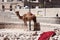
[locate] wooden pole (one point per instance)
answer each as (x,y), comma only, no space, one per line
(29,6)
(30,25)
(45,7)
(29,21)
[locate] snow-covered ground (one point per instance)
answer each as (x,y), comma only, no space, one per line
(17,34)
(46,24)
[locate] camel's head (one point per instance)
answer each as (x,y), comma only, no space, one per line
(17,13)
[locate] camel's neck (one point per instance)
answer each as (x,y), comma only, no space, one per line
(20,17)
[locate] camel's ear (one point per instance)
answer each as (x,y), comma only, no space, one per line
(17,12)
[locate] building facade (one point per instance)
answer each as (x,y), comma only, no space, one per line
(21,4)
(32,3)
(17,4)
(11,4)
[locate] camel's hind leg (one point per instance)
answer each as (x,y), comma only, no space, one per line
(34,20)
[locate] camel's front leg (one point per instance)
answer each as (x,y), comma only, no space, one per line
(25,23)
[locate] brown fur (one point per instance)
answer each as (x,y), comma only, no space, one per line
(26,17)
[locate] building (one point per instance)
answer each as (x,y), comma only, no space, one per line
(52,3)
(32,3)
(21,4)
(11,4)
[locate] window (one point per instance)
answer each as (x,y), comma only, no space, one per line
(3,7)
(26,7)
(19,0)
(50,0)
(18,7)
(33,6)
(2,0)
(10,7)
(33,0)
(9,0)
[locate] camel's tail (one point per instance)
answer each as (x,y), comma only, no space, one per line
(34,19)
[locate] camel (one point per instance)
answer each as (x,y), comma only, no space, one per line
(27,17)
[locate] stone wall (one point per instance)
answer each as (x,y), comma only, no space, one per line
(11,25)
(42,12)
